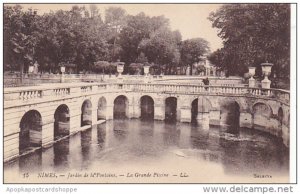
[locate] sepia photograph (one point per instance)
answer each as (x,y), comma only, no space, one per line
(147,93)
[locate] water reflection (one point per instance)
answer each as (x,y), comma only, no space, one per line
(31,161)
(147,131)
(101,135)
(120,129)
(134,142)
(61,153)
(199,138)
(171,134)
(86,140)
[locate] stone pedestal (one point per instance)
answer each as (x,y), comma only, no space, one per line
(146,70)
(252,82)
(265,83)
(62,78)
(120,79)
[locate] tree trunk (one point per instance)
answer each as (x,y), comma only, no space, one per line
(191,69)
(113,52)
(21,72)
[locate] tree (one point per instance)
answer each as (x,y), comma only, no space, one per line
(191,50)
(115,21)
(162,48)
(20,37)
(252,34)
(94,11)
(74,36)
(137,29)
(135,68)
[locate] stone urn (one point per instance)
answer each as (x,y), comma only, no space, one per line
(62,69)
(146,70)
(120,69)
(266,69)
(251,79)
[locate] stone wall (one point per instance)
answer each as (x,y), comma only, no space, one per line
(267,115)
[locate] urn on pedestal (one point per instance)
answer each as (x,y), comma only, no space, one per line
(251,79)
(266,69)
(62,76)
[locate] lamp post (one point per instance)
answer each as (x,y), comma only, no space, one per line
(266,69)
(251,79)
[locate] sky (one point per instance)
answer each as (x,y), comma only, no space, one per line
(190,19)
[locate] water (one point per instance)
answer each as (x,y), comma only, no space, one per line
(178,152)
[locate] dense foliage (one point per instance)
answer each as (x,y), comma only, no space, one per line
(81,36)
(253,34)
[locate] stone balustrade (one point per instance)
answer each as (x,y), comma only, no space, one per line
(267,110)
(28,93)
(61,91)
(86,89)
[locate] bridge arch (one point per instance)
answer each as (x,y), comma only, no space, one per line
(267,108)
(61,121)
(86,112)
(30,130)
(265,103)
(230,113)
(204,104)
(121,107)
(101,111)
(147,107)
(261,113)
(170,108)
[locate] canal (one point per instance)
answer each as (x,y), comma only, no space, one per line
(167,152)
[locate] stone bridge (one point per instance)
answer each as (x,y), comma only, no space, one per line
(35,117)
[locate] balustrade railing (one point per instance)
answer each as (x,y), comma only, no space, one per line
(61,91)
(86,89)
(24,94)
(29,95)
(218,90)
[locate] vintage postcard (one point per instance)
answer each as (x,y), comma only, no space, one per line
(148,93)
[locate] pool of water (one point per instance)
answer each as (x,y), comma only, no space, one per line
(154,151)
